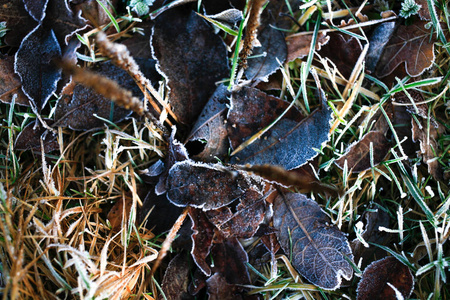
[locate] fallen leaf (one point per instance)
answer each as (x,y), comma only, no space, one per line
(209,186)
(320,251)
(342,50)
(208,139)
(289,143)
(377,42)
(34,65)
(36,8)
(176,279)
(118,214)
(138,44)
(10,84)
(202,239)
(298,45)
(374,218)
(30,138)
(252,110)
(220,289)
(412,45)
(18,21)
(387,278)
(424,12)
(191,57)
(64,21)
(366,153)
(269,57)
(94,13)
(77,111)
(427,135)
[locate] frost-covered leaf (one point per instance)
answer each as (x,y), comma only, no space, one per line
(298,45)
(209,137)
(33,63)
(18,21)
(30,138)
(289,143)
(386,278)
(10,84)
(191,57)
(176,279)
(78,110)
(320,251)
(412,45)
(202,239)
(269,57)
(209,186)
(36,8)
(64,21)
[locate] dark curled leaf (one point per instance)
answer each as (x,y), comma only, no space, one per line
(289,143)
(386,278)
(18,21)
(202,238)
(210,129)
(220,289)
(34,65)
(176,279)
(298,46)
(191,57)
(10,84)
(36,8)
(412,45)
(320,251)
(378,40)
(77,111)
(208,186)
(358,155)
(269,57)
(30,138)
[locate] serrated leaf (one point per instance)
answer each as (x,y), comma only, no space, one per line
(34,65)
(320,252)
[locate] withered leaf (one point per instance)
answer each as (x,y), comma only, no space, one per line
(202,239)
(289,143)
(358,155)
(138,44)
(64,21)
(18,21)
(298,45)
(320,251)
(119,212)
(412,45)
(36,8)
(77,111)
(269,56)
(424,12)
(93,12)
(210,128)
(244,222)
(220,289)
(378,40)
(30,138)
(384,279)
(176,279)
(252,110)
(34,65)
(429,148)
(209,186)
(191,57)
(342,50)
(10,84)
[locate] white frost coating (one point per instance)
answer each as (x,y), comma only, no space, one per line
(398,295)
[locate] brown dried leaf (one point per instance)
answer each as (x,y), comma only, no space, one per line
(77,111)
(202,239)
(209,186)
(342,50)
(424,12)
(10,82)
(210,129)
(30,138)
(191,57)
(413,45)
(92,11)
(358,155)
(18,21)
(298,45)
(382,276)
(176,279)
(138,44)
(120,211)
(289,143)
(320,250)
